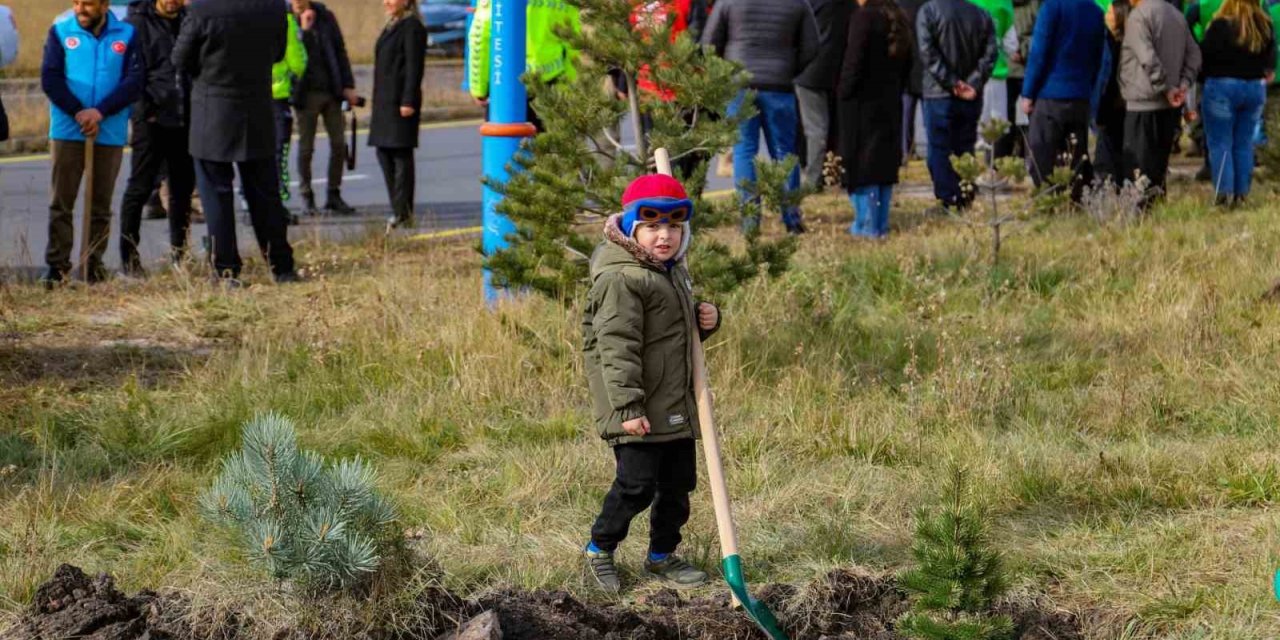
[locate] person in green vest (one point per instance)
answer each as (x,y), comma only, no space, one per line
(995,95)
(284,75)
(1200,14)
(547,55)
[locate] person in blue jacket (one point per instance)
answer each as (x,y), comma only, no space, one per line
(91,74)
(1062,68)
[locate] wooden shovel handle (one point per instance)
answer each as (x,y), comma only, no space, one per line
(87,219)
(707,421)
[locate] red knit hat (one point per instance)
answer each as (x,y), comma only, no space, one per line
(656,191)
(653,186)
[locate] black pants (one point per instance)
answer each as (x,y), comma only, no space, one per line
(398,171)
(1060,132)
(1108,153)
(326,107)
(258,179)
(1148,142)
(156,150)
(658,477)
(1011,143)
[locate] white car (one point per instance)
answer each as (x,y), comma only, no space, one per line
(8,37)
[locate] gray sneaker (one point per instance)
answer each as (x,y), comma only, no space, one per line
(676,572)
(603,570)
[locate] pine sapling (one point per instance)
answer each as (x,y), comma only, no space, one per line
(989,176)
(323,526)
(959,575)
(571,176)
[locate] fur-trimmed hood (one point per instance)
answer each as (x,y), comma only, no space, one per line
(613,235)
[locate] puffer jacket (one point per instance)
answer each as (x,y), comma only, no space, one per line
(774,39)
(957,43)
(635,336)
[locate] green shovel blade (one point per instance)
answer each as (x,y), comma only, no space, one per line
(760,614)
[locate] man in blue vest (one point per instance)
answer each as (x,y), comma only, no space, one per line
(91,74)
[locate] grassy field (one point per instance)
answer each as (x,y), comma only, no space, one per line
(1117,392)
(361,21)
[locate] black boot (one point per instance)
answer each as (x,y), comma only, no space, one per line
(335,205)
(309,204)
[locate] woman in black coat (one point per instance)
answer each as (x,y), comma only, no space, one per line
(399,59)
(876,69)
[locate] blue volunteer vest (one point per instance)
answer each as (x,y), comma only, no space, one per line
(94,68)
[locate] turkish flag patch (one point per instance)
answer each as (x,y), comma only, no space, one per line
(118,47)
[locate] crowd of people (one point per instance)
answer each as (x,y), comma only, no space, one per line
(876,82)
(873,81)
(202,92)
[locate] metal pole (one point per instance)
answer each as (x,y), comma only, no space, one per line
(507,123)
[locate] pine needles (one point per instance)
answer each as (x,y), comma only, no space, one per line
(959,575)
(323,526)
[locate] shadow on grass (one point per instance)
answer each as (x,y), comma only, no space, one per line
(104,364)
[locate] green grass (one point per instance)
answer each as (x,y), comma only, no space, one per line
(1115,391)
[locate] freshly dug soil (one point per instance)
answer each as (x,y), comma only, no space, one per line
(843,605)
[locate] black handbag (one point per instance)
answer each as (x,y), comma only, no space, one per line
(351,148)
(4,122)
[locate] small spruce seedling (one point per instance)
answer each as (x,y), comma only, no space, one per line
(959,575)
(323,526)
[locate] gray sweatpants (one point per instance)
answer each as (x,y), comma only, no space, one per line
(815,116)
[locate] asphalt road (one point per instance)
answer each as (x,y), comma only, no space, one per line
(448,198)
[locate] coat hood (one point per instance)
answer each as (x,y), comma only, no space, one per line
(632,251)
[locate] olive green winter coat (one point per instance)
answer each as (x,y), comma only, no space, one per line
(636,340)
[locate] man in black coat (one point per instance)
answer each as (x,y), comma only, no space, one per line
(957,45)
(319,95)
(815,84)
(160,132)
(228,48)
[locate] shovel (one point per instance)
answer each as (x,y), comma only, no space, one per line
(87,220)
(730,561)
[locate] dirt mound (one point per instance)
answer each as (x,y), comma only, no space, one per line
(843,605)
(73,605)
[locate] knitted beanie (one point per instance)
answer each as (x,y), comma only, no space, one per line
(654,190)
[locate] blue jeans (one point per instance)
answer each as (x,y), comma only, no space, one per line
(1232,110)
(952,126)
(871,206)
(778,117)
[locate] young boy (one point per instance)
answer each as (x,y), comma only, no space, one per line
(636,337)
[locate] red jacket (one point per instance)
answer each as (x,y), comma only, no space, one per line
(655,15)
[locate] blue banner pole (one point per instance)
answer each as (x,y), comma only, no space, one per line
(507,124)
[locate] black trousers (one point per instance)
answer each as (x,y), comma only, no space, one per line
(1148,142)
(327,107)
(1011,143)
(399,174)
(156,149)
(1108,152)
(1059,134)
(262,191)
(658,477)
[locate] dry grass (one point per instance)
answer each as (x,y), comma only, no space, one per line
(1115,390)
